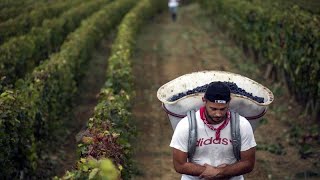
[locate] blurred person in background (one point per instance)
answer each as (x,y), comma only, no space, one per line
(173,8)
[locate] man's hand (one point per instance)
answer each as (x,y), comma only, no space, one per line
(211,172)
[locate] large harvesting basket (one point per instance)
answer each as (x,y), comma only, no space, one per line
(245,106)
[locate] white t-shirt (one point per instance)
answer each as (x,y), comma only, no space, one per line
(209,150)
(173,3)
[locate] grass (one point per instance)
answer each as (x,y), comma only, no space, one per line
(309,5)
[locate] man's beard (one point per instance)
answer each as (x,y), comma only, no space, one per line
(216,119)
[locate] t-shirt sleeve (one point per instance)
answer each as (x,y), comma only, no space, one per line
(180,136)
(247,137)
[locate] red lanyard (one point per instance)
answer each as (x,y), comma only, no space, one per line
(218,130)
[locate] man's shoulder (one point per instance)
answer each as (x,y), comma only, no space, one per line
(183,123)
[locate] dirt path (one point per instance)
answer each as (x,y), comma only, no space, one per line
(169,49)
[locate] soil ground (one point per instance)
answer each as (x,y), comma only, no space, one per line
(168,49)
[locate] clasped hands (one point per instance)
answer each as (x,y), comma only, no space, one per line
(211,172)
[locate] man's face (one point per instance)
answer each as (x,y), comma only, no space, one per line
(216,111)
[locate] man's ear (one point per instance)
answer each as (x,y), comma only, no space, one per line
(203,99)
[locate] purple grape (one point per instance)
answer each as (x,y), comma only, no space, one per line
(232,86)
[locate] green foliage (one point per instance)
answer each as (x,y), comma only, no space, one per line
(114,110)
(263,121)
(112,117)
(102,169)
(39,104)
(272,148)
(277,89)
(25,21)
(21,54)
(119,71)
(309,5)
(17,140)
(305,137)
(289,39)
(11,9)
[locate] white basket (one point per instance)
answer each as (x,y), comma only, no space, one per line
(245,106)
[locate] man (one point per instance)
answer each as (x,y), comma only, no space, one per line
(213,158)
(173,8)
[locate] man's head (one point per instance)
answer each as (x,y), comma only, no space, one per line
(218,92)
(217,98)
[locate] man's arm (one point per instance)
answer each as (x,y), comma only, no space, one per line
(182,166)
(245,165)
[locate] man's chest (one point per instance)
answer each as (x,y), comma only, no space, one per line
(206,139)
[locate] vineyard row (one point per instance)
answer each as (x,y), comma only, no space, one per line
(21,54)
(110,130)
(38,106)
(25,21)
(289,40)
